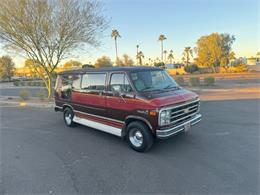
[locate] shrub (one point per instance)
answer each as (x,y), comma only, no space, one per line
(191,68)
(24,94)
(240,68)
(22,83)
(16,83)
(41,95)
(194,81)
(29,83)
(159,64)
(38,83)
(209,81)
(34,83)
(180,80)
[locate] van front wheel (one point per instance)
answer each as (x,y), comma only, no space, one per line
(68,116)
(139,137)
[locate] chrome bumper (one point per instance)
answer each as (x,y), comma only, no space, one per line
(164,133)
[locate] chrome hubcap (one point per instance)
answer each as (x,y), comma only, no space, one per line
(68,118)
(136,138)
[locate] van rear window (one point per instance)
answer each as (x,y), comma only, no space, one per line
(93,81)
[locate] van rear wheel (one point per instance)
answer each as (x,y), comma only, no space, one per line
(139,137)
(68,116)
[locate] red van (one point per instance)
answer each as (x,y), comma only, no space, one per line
(136,103)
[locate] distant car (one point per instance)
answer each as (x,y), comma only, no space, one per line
(136,103)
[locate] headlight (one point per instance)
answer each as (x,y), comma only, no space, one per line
(165,117)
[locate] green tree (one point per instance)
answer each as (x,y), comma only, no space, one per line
(115,34)
(49,31)
(72,64)
(28,63)
(162,38)
(6,68)
(214,50)
(140,57)
(104,61)
(171,57)
(127,61)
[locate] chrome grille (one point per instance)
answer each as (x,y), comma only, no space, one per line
(181,113)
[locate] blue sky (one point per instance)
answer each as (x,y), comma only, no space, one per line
(182,21)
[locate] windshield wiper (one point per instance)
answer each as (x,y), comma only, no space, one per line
(147,89)
(171,86)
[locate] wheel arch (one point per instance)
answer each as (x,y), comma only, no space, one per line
(131,119)
(64,106)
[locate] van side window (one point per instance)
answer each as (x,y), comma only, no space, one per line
(66,81)
(93,81)
(76,82)
(119,83)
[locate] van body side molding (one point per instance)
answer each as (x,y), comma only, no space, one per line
(99,126)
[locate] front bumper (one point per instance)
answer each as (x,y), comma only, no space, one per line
(164,133)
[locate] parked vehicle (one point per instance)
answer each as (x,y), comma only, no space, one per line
(138,104)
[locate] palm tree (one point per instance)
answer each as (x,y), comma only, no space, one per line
(170,56)
(187,53)
(140,56)
(165,53)
(137,50)
(150,61)
(115,34)
(162,38)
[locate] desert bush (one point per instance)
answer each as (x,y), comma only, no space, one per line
(194,81)
(22,83)
(209,81)
(34,83)
(24,94)
(191,68)
(16,83)
(29,83)
(41,95)
(38,83)
(180,80)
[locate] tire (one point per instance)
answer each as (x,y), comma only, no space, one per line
(139,137)
(68,116)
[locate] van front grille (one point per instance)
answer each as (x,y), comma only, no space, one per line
(182,113)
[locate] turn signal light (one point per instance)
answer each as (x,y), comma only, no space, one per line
(152,113)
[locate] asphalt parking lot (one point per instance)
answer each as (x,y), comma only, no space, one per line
(219,155)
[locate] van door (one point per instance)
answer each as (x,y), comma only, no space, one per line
(90,98)
(119,97)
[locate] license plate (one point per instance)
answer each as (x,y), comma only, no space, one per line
(187,126)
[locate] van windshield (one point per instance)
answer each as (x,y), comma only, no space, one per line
(152,80)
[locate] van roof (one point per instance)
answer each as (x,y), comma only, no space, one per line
(109,69)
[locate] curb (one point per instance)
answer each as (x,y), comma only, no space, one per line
(29,104)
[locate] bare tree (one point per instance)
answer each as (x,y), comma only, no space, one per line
(47,31)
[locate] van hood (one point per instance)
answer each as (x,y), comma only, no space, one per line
(167,98)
